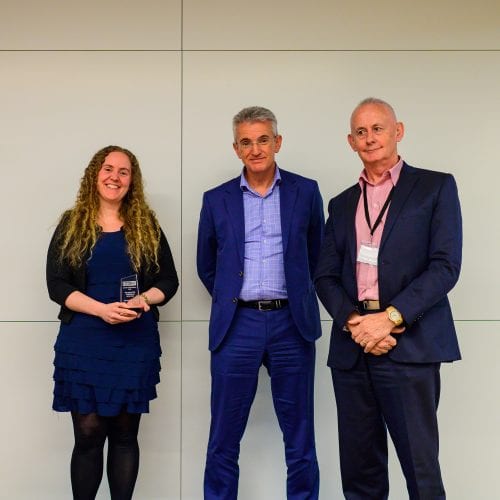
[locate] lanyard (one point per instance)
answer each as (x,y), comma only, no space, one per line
(382,212)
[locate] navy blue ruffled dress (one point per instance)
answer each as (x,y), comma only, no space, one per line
(102,368)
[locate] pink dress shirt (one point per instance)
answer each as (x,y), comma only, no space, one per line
(367,275)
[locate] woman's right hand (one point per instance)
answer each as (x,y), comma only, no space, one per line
(117,312)
(113,313)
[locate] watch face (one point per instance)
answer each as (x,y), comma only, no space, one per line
(395,317)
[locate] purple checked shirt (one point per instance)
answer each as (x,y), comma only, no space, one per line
(264,272)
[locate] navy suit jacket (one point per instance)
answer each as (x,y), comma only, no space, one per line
(418,264)
(221,251)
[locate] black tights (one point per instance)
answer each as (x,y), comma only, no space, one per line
(91,432)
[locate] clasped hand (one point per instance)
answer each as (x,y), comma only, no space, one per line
(373,332)
(123,312)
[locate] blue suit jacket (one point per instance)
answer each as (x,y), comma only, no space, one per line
(221,248)
(418,264)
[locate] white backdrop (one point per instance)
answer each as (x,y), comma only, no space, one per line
(164,78)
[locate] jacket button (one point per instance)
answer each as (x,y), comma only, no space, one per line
(240,273)
(235,299)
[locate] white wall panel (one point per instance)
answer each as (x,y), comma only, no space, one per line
(337,25)
(468,414)
(262,465)
(195,407)
(262,475)
(90,25)
(58,109)
(37,442)
(154,74)
(160,431)
(41,440)
(467,419)
(450,120)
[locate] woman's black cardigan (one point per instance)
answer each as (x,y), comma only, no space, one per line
(62,279)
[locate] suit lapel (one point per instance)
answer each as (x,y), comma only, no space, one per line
(405,185)
(288,197)
(233,201)
(352,205)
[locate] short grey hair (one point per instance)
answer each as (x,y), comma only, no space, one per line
(379,102)
(255,114)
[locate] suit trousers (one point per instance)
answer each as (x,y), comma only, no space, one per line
(377,395)
(268,338)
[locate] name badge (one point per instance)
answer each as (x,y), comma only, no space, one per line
(368,254)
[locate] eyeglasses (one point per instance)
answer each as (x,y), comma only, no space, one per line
(261,142)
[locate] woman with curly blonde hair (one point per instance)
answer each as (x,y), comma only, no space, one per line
(107,351)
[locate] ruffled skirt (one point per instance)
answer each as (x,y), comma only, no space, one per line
(105,372)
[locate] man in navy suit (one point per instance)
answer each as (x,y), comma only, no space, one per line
(392,252)
(258,244)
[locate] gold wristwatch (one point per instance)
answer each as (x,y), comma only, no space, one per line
(394,315)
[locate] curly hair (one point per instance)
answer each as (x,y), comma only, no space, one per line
(79,227)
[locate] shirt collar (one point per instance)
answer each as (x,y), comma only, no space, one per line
(393,173)
(246,187)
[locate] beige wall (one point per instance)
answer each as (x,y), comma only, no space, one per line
(164,78)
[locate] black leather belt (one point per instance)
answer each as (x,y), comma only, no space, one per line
(369,305)
(264,305)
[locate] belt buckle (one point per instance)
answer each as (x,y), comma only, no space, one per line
(371,305)
(265,305)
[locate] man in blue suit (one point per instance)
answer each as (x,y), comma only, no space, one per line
(392,252)
(258,244)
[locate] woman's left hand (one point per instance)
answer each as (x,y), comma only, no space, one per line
(139,304)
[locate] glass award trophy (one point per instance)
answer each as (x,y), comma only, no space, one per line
(129,288)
